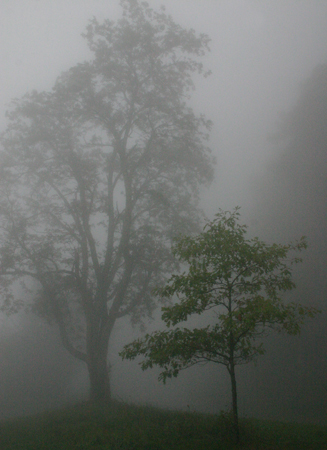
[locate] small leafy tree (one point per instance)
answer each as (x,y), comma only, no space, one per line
(98,175)
(241,279)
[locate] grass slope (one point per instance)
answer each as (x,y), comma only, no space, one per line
(126,427)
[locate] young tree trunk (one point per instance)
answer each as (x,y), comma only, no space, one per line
(231,370)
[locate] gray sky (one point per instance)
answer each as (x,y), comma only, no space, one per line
(260,53)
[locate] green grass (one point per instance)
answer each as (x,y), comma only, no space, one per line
(127,427)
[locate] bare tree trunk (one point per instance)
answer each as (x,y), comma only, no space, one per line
(231,370)
(99,378)
(98,368)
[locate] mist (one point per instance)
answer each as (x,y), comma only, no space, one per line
(262,54)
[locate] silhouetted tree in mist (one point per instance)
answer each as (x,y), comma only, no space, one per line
(96,178)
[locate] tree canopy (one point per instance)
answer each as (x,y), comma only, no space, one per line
(241,280)
(98,175)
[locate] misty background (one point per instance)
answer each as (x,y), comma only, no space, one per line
(271,160)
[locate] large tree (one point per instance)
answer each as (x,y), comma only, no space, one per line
(241,280)
(98,175)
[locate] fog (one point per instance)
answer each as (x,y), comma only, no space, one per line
(261,55)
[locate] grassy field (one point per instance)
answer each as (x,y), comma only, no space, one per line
(126,427)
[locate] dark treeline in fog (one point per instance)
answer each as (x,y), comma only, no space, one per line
(293,202)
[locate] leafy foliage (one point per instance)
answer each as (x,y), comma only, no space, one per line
(240,278)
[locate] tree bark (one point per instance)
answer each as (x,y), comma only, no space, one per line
(231,370)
